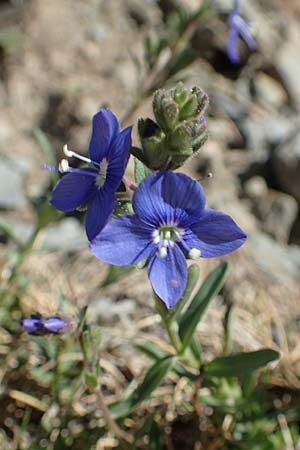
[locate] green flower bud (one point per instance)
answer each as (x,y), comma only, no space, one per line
(166,110)
(190,108)
(181,94)
(180,130)
(180,139)
(203,100)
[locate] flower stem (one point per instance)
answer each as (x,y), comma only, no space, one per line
(171,325)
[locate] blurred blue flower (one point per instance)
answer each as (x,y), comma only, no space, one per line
(96,185)
(170,223)
(238,28)
(38,326)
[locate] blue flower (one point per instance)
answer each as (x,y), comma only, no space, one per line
(170,223)
(96,185)
(39,326)
(238,28)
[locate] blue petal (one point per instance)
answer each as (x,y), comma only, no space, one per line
(117,159)
(215,234)
(166,197)
(32,325)
(55,324)
(100,208)
(232,46)
(168,276)
(124,241)
(73,190)
(244,31)
(105,129)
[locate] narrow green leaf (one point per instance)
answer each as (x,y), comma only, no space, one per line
(152,380)
(209,289)
(155,437)
(240,364)
(115,273)
(151,350)
(140,171)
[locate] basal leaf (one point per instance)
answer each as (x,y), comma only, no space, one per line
(209,289)
(240,364)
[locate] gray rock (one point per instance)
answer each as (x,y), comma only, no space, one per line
(279,262)
(286,165)
(275,210)
(66,235)
(287,63)
(12,194)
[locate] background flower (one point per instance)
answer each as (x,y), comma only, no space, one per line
(238,28)
(96,185)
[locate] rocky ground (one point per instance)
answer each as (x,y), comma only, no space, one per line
(62,60)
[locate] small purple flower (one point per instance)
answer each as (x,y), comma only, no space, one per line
(38,326)
(33,325)
(96,185)
(170,223)
(55,324)
(238,28)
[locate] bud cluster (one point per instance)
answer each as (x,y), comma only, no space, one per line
(180,129)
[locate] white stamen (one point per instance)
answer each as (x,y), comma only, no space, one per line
(67,152)
(194,253)
(166,242)
(63,166)
(162,253)
(156,240)
(70,153)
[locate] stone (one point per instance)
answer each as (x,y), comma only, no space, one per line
(286,165)
(12,193)
(66,235)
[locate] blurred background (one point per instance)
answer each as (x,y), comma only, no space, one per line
(60,62)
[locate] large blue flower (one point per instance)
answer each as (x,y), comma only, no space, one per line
(170,223)
(95,185)
(238,28)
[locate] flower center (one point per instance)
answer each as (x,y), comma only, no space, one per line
(101,177)
(166,236)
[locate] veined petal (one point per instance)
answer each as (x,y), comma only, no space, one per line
(168,197)
(168,276)
(215,234)
(99,210)
(117,158)
(124,241)
(105,129)
(73,190)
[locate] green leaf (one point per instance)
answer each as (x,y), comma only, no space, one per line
(115,273)
(152,380)
(155,437)
(151,350)
(209,289)
(140,171)
(240,364)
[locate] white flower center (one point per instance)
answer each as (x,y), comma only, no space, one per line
(101,177)
(166,236)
